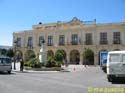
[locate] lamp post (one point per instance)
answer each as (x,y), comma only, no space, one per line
(15,43)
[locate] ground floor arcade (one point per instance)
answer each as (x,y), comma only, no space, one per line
(75,54)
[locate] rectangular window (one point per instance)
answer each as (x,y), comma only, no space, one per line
(18,42)
(88,38)
(50,40)
(115,58)
(116,38)
(74,39)
(30,42)
(118,57)
(103,38)
(61,39)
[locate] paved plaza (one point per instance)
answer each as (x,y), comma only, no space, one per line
(56,82)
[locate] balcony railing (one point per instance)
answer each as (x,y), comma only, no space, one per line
(116,41)
(102,42)
(74,43)
(61,43)
(88,42)
(50,44)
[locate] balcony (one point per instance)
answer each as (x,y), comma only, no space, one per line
(88,42)
(116,41)
(103,42)
(61,43)
(49,44)
(74,43)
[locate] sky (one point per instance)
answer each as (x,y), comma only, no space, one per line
(18,15)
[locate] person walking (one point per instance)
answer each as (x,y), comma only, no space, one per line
(21,65)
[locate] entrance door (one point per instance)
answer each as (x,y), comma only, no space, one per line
(74,57)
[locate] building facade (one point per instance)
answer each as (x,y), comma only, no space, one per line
(73,37)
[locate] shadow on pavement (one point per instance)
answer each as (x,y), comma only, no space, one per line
(5,73)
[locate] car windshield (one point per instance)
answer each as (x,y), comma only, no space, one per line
(115,58)
(5,60)
(123,57)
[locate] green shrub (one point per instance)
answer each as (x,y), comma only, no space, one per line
(88,56)
(58,63)
(58,56)
(50,62)
(34,63)
(29,55)
(26,63)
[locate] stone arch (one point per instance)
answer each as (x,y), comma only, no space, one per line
(74,57)
(88,56)
(50,53)
(18,55)
(103,50)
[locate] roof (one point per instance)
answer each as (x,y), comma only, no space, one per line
(117,51)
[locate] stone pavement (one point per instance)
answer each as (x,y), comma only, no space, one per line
(75,68)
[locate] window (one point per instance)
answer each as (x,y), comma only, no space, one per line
(30,42)
(18,42)
(103,38)
(40,40)
(88,38)
(115,58)
(5,61)
(61,40)
(50,40)
(116,37)
(74,39)
(123,57)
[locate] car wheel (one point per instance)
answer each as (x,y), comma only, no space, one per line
(9,72)
(109,78)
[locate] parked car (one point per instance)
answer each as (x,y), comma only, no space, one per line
(115,65)
(5,64)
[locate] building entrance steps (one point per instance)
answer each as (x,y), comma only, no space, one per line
(74,68)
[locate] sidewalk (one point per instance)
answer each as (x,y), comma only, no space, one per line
(32,71)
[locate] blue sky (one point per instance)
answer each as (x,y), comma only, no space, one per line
(17,15)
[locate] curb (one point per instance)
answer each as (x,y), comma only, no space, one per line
(31,71)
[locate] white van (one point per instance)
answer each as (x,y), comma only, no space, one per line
(115,65)
(5,64)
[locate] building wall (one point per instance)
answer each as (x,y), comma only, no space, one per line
(75,26)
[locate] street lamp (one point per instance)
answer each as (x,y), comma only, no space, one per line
(15,43)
